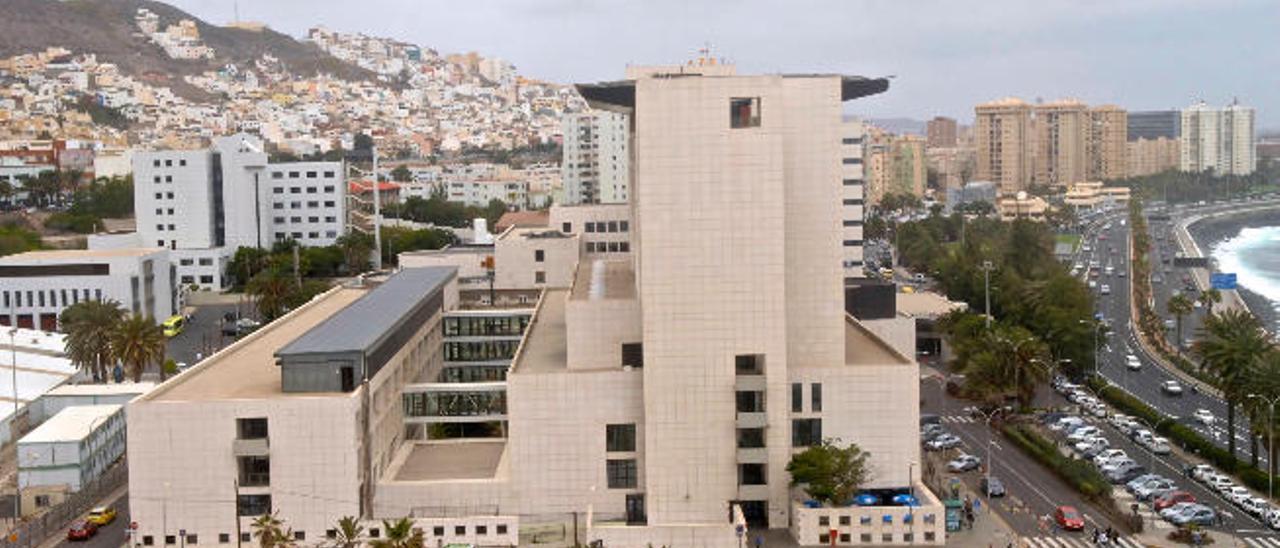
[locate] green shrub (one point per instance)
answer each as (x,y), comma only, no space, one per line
(1078,473)
(80,223)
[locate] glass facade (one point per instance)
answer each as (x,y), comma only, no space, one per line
(474,373)
(467,326)
(455,404)
(479,351)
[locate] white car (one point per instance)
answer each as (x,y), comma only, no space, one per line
(1203,416)
(1097,443)
(1145,490)
(1201,472)
(1221,483)
(1257,506)
(1106,289)
(1083,433)
(1237,495)
(1107,455)
(1067,424)
(1273,519)
(1132,362)
(1093,284)
(1116,464)
(1159,446)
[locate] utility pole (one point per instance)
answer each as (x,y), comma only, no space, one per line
(987,267)
(297,272)
(1271,440)
(377,212)
(236,485)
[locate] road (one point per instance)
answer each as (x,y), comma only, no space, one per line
(1145,383)
(111,536)
(203,334)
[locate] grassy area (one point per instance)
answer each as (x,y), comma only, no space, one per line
(1073,239)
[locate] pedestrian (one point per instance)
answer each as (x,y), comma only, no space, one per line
(759,541)
(977,505)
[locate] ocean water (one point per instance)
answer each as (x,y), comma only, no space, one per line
(1254,255)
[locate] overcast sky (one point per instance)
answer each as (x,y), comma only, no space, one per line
(945,56)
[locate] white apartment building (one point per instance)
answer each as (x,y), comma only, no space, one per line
(204,204)
(1220,140)
(852,196)
(479,192)
(36,286)
(596,168)
(656,394)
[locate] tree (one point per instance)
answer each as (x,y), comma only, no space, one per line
(399,534)
(401,174)
(830,473)
(1179,305)
(1210,297)
(270,290)
(138,342)
(1009,363)
(89,326)
(1229,346)
(270,531)
(347,533)
(356,249)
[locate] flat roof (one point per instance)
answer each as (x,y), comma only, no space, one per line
(927,304)
(545,346)
(71,424)
(622,93)
(102,389)
(601,279)
(367,321)
(862,347)
(453,460)
(78,254)
(534,233)
(247,369)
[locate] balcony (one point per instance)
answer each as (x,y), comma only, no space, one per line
(752,420)
(757,455)
(749,383)
(257,447)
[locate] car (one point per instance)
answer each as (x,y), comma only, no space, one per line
(992,486)
(1172,388)
(1125,472)
(1117,419)
(1168,324)
(1148,489)
(1122,273)
(1237,495)
(1138,481)
(1159,445)
(173,326)
(1068,518)
(102,515)
(1107,455)
(931,430)
(1199,472)
(1203,416)
(1083,433)
(1256,506)
(1132,362)
(82,530)
(1176,509)
(943,442)
(1273,519)
(1093,445)
(964,463)
(1221,483)
(1198,514)
(1093,283)
(1171,498)
(1066,424)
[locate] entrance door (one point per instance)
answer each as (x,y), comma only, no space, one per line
(348,379)
(756,513)
(635,510)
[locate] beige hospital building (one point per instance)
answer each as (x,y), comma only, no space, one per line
(649,389)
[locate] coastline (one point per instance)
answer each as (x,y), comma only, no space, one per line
(1208,232)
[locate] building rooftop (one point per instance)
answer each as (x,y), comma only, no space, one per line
(102,389)
(77,254)
(926,304)
(862,347)
(600,279)
(368,321)
(449,460)
(71,424)
(545,347)
(622,93)
(247,369)
(532,233)
(521,219)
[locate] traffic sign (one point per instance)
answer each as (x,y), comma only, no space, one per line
(1223,281)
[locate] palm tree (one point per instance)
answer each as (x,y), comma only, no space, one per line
(1210,297)
(138,342)
(1011,361)
(270,290)
(89,326)
(1265,382)
(270,531)
(1179,305)
(401,534)
(1230,346)
(348,533)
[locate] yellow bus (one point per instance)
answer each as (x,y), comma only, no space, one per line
(173,326)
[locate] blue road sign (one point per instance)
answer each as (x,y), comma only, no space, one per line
(1223,281)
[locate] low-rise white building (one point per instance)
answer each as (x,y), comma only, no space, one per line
(36,286)
(67,452)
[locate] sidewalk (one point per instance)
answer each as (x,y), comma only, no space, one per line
(989,529)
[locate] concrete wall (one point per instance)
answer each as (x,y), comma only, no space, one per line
(597,243)
(517,264)
(596,330)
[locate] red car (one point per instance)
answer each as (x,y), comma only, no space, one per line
(1069,518)
(1169,499)
(82,531)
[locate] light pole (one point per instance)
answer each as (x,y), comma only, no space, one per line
(17,485)
(1097,327)
(986,418)
(987,267)
(1271,440)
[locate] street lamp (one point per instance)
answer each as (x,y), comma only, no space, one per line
(13,353)
(1271,448)
(986,418)
(987,267)
(1097,328)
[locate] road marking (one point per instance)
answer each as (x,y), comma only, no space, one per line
(1256,542)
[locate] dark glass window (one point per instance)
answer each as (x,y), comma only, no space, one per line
(620,437)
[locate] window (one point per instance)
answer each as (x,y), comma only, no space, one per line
(438,531)
(160,228)
(797,397)
(277,175)
(844,520)
(252,429)
(749,401)
(295,190)
(851,161)
(299,535)
(156,179)
(188,279)
(278,190)
(313,204)
(806,432)
(293,175)
(171,227)
(312,175)
(278,220)
(851,140)
(182,163)
(313,234)
(538,255)
(539,277)
(566,228)
(254,505)
(328,203)
(852,243)
(168,178)
(866,538)
(886,537)
(374,532)
(844,537)
(591,247)
(750,438)
(852,223)
(815,397)
(748,364)
(168,195)
(295,219)
(42,501)
(295,205)
(331,233)
(591,227)
(852,182)
(482,529)
(277,205)
(751,473)
(169,211)
(623,226)
(502,529)
(148,540)
(613,226)
(206,261)
(624,247)
(170,539)
(244,537)
(224,538)
(929,536)
(613,247)
(620,437)
(295,235)
(311,190)
(633,354)
(824,538)
(744,112)
(621,473)
(852,201)
(192,539)
(159,195)
(168,163)
(155,163)
(459,530)
(824,521)
(254,471)
(313,219)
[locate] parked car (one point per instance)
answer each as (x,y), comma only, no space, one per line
(1107,456)
(1083,433)
(1135,482)
(930,431)
(944,442)
(1125,472)
(1159,445)
(1273,519)
(1203,416)
(1199,472)
(1197,514)
(992,486)
(1066,424)
(964,463)
(1149,488)
(1221,483)
(1171,498)
(83,530)
(1093,445)
(1168,513)
(1068,518)
(1237,495)
(1172,388)
(1256,506)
